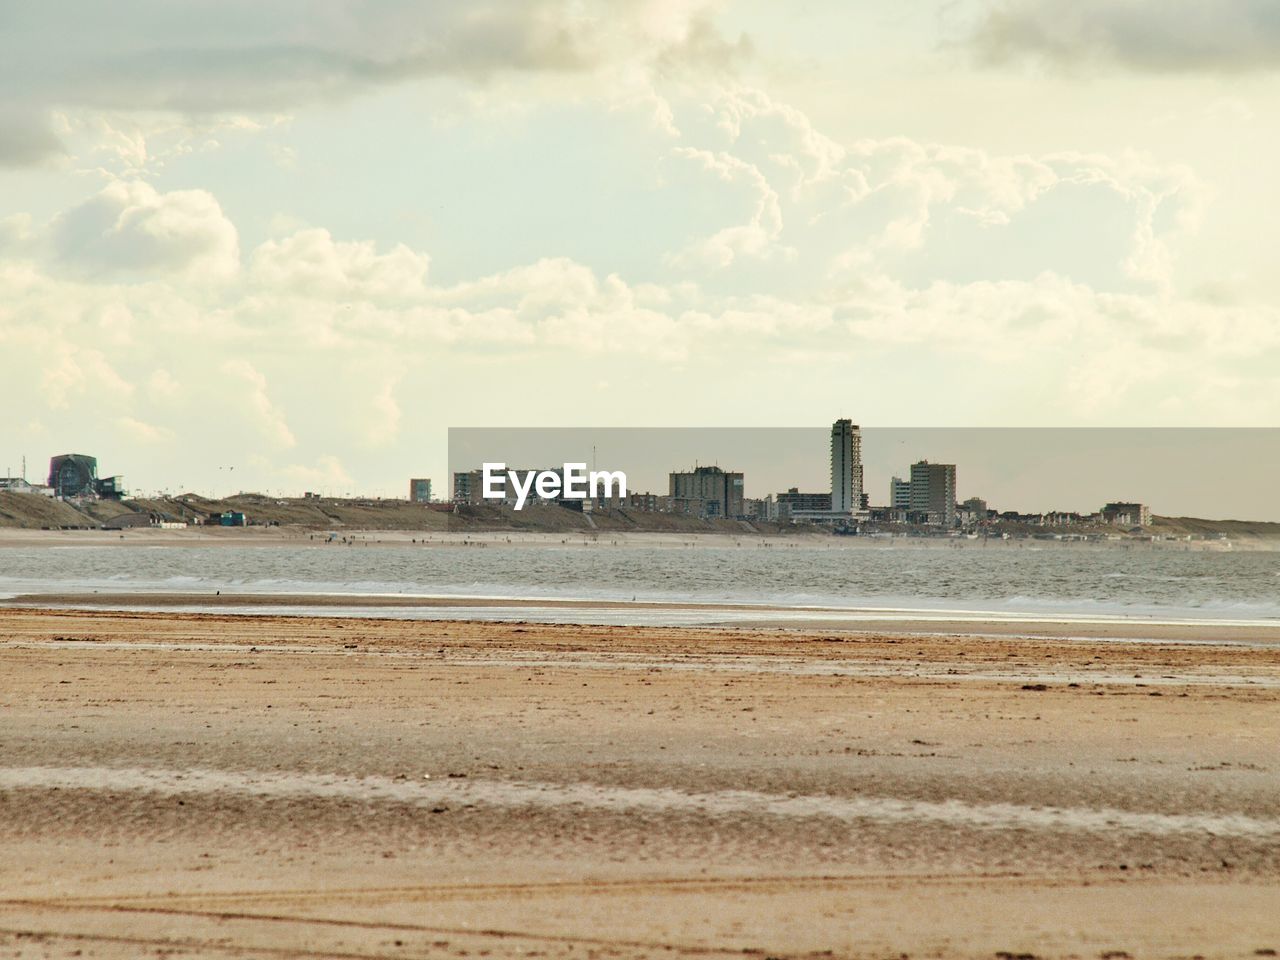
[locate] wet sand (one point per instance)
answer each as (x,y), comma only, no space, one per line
(637,613)
(221,785)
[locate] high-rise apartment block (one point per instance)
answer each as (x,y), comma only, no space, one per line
(933,491)
(846,467)
(707,492)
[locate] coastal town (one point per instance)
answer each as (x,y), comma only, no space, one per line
(698,499)
(925,501)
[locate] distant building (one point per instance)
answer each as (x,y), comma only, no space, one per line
(933,492)
(1127,514)
(707,492)
(466,486)
(888,515)
(975,508)
(110,488)
(846,468)
(420,490)
(648,502)
(73,475)
(76,475)
(796,505)
(19,485)
(1062,518)
(900,494)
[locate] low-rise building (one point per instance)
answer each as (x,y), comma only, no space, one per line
(796,505)
(1062,518)
(647,502)
(420,490)
(468,488)
(900,493)
(888,515)
(20,485)
(1121,514)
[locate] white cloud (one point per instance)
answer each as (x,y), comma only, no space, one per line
(812,210)
(161,386)
(754,239)
(132,146)
(132,230)
(817,268)
(75,373)
(381,426)
(269,420)
(144,432)
(326,475)
(311,262)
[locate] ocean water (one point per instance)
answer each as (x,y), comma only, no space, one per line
(1004,579)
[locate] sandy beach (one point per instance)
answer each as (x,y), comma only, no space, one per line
(220,785)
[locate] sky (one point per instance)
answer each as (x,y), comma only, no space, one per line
(286,246)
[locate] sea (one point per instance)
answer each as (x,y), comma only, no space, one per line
(676,585)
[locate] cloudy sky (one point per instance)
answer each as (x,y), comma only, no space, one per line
(303,238)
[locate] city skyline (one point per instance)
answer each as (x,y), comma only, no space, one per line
(1027,470)
(1215,473)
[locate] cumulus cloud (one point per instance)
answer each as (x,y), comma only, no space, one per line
(326,475)
(346,348)
(1229,36)
(312,261)
(384,414)
(130,229)
(237,56)
(756,237)
(267,416)
(76,371)
(820,210)
(144,432)
(555,302)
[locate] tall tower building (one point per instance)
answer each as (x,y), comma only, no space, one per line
(846,467)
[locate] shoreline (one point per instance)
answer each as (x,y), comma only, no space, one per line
(684,614)
(277,536)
